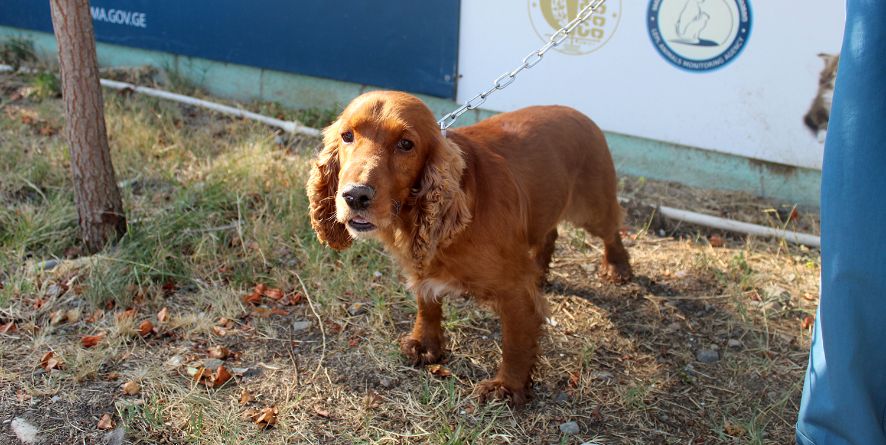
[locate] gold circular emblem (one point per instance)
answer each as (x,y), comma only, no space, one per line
(547,16)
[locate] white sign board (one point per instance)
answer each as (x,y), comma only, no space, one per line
(734,76)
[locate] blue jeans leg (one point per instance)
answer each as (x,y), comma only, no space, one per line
(844,395)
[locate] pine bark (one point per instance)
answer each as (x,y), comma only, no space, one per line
(99,206)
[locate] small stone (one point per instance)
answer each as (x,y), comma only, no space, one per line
(734,344)
(300,325)
(55,399)
(386,382)
(561,397)
(570,428)
(46,266)
(114,437)
(707,356)
(175,361)
(377,274)
(356,309)
(54,291)
(25,432)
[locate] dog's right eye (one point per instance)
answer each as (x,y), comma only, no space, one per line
(347,137)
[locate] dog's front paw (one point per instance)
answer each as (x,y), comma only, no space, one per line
(421,351)
(497,389)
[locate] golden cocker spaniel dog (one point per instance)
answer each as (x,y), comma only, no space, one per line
(473,213)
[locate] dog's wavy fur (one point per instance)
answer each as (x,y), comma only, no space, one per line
(473,213)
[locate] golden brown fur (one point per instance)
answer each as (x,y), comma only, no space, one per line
(474,213)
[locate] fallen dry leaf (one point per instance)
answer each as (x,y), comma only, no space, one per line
(439,370)
(716,241)
(145,328)
(266,417)
(8,328)
(218,330)
(261,312)
(808,322)
(245,397)
(92,340)
(163,315)
(574,379)
(373,400)
(733,429)
(47,130)
(219,352)
(253,299)
(131,388)
(128,313)
(96,315)
(321,412)
(334,327)
(56,317)
(293,299)
(212,379)
(106,422)
(200,373)
(49,362)
(220,376)
(274,294)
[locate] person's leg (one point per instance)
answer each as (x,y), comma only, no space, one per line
(844,396)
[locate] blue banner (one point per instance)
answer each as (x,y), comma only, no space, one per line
(400,44)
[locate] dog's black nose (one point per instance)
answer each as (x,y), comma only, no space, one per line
(358,197)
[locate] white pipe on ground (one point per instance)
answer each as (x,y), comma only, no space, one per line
(288,126)
(293,127)
(741,227)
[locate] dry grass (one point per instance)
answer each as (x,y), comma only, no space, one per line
(216,206)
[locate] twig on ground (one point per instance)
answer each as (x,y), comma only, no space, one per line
(319,322)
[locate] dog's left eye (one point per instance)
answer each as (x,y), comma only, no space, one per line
(405,145)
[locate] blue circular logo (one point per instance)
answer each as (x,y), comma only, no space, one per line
(699,35)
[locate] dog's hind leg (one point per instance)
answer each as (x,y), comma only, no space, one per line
(544,252)
(616,266)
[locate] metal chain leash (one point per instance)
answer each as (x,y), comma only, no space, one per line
(529,61)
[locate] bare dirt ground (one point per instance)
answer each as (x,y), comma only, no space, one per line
(707,345)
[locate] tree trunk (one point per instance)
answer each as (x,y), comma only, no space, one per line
(99,207)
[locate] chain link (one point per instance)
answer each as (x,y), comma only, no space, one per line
(529,61)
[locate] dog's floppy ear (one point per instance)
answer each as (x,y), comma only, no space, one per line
(442,205)
(322,187)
